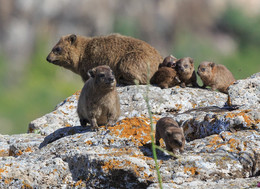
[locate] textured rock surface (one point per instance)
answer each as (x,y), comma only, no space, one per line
(223,148)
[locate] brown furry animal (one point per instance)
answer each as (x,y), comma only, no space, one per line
(172,134)
(99,102)
(169,61)
(216,76)
(186,72)
(128,57)
(165,77)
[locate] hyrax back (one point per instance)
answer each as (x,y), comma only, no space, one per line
(99,101)
(186,72)
(128,57)
(216,76)
(171,133)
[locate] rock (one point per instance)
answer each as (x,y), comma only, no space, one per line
(222,149)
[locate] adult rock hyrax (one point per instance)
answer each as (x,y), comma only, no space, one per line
(166,75)
(186,72)
(99,102)
(171,133)
(129,58)
(216,76)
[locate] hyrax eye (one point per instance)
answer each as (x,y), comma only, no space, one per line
(203,69)
(186,66)
(101,75)
(57,50)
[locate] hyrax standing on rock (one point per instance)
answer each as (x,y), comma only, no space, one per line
(186,72)
(166,75)
(172,134)
(216,76)
(129,58)
(99,102)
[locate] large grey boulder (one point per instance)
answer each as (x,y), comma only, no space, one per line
(222,150)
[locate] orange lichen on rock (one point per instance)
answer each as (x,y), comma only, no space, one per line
(127,165)
(178,106)
(233,144)
(89,142)
(215,141)
(192,170)
(4,153)
(137,129)
(28,149)
(247,119)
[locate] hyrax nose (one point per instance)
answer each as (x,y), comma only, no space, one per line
(179,143)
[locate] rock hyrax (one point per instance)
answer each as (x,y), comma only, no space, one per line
(99,102)
(186,72)
(171,133)
(128,57)
(168,61)
(165,77)
(216,76)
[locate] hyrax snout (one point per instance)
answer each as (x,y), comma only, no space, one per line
(99,101)
(171,133)
(216,76)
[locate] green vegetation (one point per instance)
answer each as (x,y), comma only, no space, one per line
(40,89)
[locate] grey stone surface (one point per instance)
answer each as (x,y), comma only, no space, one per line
(222,149)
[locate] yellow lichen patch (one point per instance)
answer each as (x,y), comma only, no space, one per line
(19,153)
(67,125)
(178,106)
(233,143)
(78,183)
(77,92)
(8,180)
(137,129)
(2,170)
(125,164)
(192,170)
(89,142)
(28,149)
(4,153)
(247,119)
(27,186)
(194,105)
(215,141)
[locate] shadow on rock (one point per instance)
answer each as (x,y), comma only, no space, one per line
(147,151)
(62,133)
(91,171)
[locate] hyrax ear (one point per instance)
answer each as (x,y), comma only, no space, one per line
(92,72)
(72,39)
(212,64)
(191,60)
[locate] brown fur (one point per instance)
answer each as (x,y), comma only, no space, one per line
(127,57)
(186,72)
(216,76)
(165,77)
(99,102)
(171,133)
(169,61)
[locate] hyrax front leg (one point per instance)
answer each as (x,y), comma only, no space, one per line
(93,124)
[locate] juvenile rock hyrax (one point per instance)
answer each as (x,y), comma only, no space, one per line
(216,76)
(166,75)
(186,72)
(169,61)
(171,133)
(99,102)
(128,57)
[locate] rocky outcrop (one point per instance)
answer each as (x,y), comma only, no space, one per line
(222,150)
